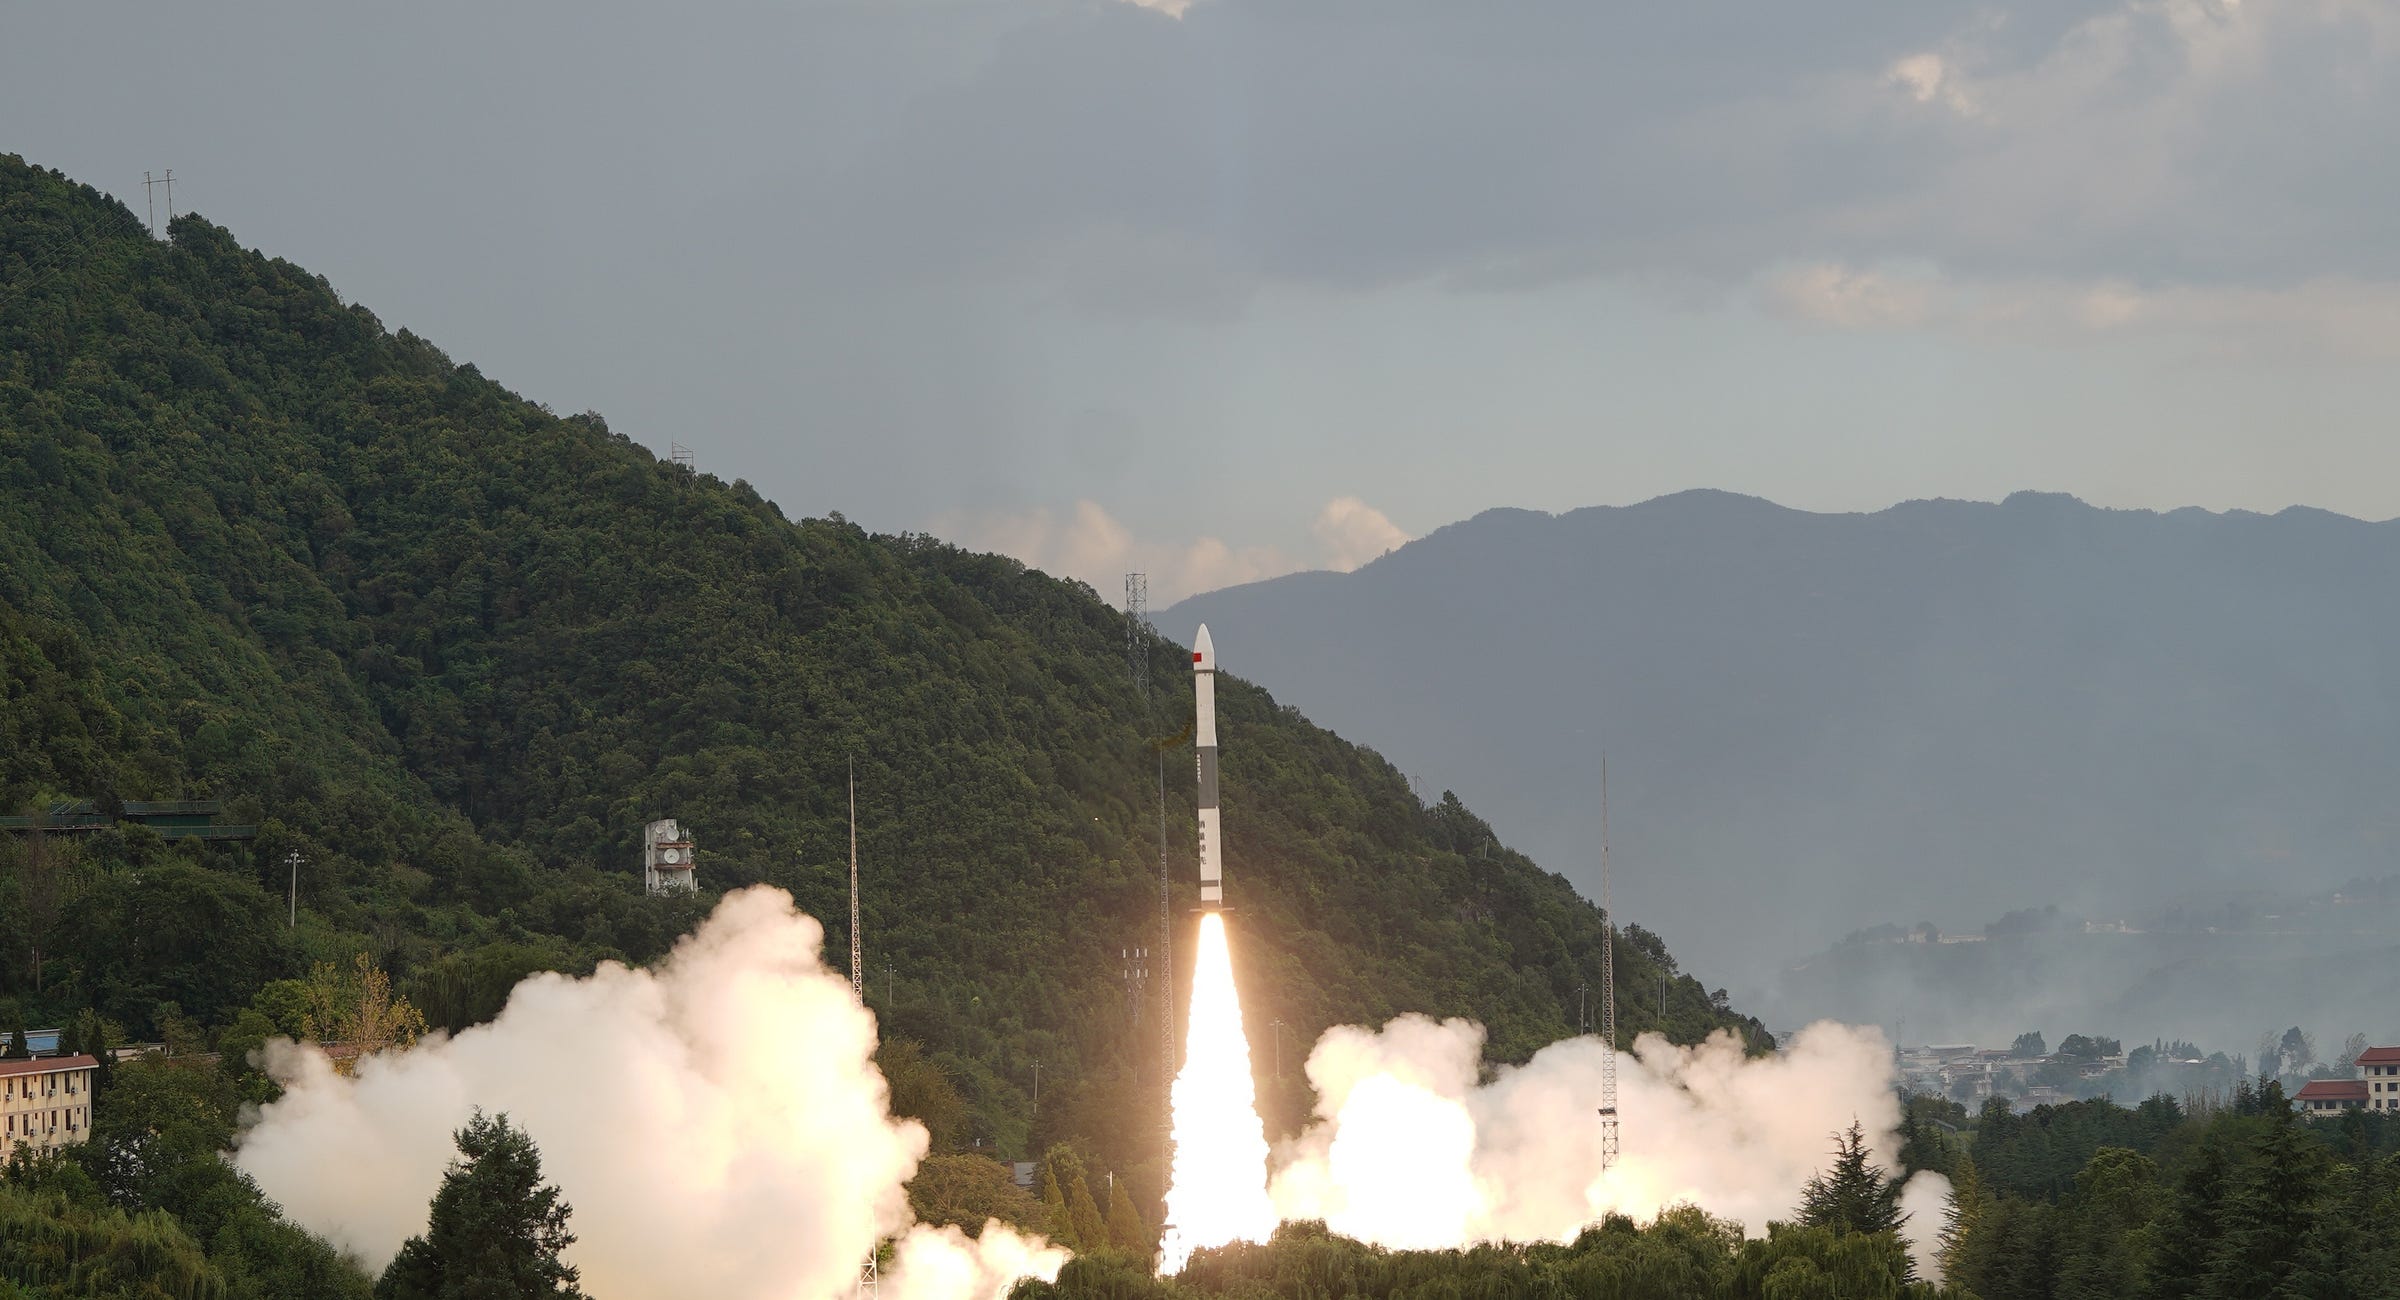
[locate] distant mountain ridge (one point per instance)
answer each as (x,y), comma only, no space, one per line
(1944,710)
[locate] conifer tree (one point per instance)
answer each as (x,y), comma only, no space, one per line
(97,1038)
(15,1049)
(1855,1195)
(2269,1213)
(2343,1255)
(1090,1229)
(2187,1233)
(495,1232)
(2101,1252)
(1960,1219)
(1126,1231)
(1054,1204)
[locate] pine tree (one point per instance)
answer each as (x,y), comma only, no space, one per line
(2102,1237)
(1960,1220)
(2187,1233)
(1856,1196)
(16,1049)
(98,1038)
(1126,1231)
(1090,1229)
(1054,1204)
(2340,1257)
(2269,1214)
(495,1232)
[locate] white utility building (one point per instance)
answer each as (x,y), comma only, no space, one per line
(667,859)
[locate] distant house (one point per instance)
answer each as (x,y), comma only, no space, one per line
(2322,1097)
(46,1102)
(2377,1087)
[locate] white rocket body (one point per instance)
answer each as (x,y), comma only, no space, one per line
(1204,735)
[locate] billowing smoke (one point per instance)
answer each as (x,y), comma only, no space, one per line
(718,1125)
(1410,1150)
(1926,1202)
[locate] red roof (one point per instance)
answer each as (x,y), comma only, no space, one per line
(2333,1090)
(2379,1056)
(47,1065)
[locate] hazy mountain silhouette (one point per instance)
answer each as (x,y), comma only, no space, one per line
(1814,722)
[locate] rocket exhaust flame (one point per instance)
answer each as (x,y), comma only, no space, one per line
(1217,1186)
(1217,1190)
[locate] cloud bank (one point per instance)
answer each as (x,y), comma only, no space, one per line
(1091,545)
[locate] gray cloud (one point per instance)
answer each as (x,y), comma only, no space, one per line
(1359,145)
(892,256)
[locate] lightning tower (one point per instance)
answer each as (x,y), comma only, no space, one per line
(870,1279)
(858,965)
(1608,994)
(1138,635)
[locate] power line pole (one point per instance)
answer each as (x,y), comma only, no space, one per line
(293,861)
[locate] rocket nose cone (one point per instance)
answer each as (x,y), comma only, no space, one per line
(1204,651)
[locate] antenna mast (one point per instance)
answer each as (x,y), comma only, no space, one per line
(1608,993)
(858,965)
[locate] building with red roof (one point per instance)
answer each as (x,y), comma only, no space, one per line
(2377,1087)
(2331,1096)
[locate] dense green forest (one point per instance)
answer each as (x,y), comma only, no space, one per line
(2162,1201)
(452,650)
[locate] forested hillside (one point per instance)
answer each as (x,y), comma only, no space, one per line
(453,649)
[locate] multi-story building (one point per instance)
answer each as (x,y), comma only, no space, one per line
(46,1101)
(2377,1087)
(2380,1068)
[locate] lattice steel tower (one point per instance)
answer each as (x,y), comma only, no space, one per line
(858,964)
(1138,637)
(1608,994)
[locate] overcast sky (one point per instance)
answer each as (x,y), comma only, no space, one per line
(1220,288)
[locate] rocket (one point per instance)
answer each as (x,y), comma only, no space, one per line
(1204,734)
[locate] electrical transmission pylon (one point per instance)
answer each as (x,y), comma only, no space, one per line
(1138,634)
(858,964)
(1608,994)
(870,1281)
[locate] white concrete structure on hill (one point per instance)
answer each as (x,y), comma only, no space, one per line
(667,859)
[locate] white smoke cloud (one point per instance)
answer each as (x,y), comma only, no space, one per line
(1408,1150)
(1092,545)
(717,1124)
(1353,532)
(1926,1201)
